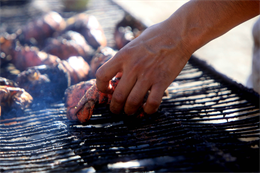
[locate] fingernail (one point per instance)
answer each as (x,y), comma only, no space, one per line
(131,114)
(155,109)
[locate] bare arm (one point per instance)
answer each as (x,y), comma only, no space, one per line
(154,59)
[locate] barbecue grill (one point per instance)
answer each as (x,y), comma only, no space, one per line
(207,123)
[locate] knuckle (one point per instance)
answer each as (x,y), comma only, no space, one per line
(153,103)
(133,102)
(99,74)
(125,51)
(136,68)
(115,110)
(118,98)
(163,76)
(145,80)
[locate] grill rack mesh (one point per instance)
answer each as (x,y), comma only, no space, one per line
(208,123)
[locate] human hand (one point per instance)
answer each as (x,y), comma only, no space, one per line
(150,62)
(155,58)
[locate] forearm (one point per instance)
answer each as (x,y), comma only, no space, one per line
(198,22)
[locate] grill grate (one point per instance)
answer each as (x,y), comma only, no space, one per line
(208,123)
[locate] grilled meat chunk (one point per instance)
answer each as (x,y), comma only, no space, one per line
(69,44)
(7,82)
(41,28)
(73,94)
(126,30)
(77,67)
(47,83)
(13,97)
(101,56)
(81,108)
(24,57)
(89,27)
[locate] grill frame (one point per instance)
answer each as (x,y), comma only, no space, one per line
(181,136)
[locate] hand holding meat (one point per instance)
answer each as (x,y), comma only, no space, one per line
(145,65)
(81,108)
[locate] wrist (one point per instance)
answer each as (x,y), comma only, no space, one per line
(191,31)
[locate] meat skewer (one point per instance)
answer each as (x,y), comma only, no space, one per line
(81,108)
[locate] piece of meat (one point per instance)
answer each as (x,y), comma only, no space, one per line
(13,97)
(24,57)
(45,82)
(123,35)
(81,107)
(73,94)
(41,28)
(126,30)
(77,67)
(31,79)
(7,45)
(7,82)
(69,44)
(89,27)
(101,56)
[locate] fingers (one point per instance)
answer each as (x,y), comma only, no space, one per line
(134,100)
(154,99)
(136,96)
(121,93)
(105,73)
